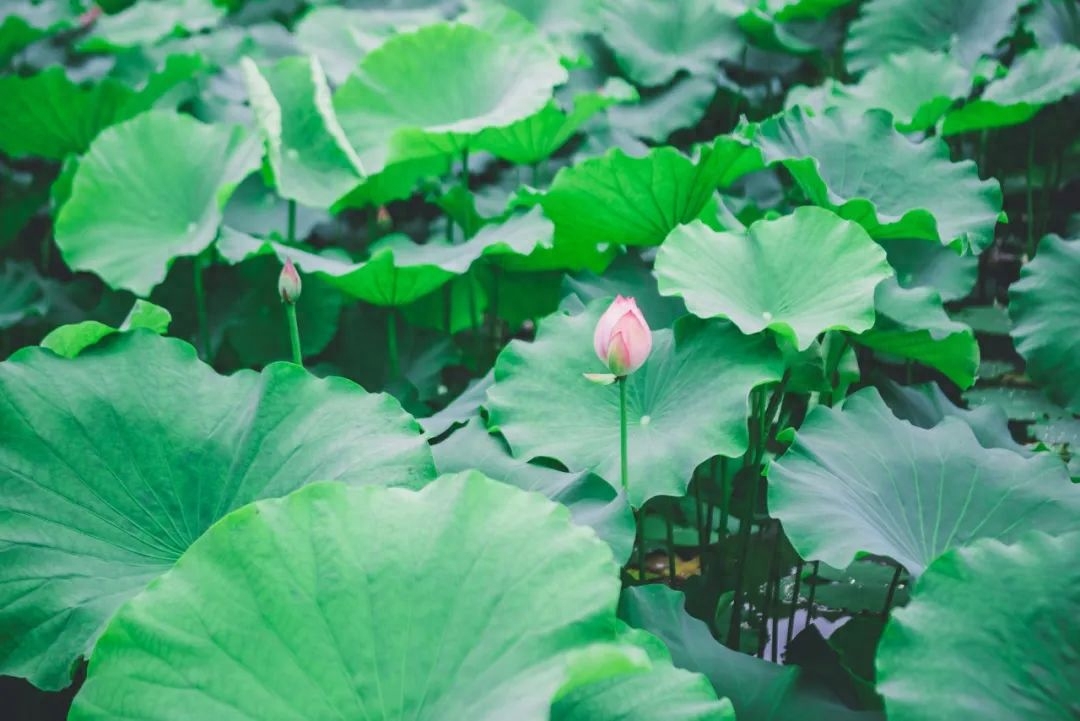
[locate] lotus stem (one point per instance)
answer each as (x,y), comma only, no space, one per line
(294,334)
(493,322)
(670,544)
(892,591)
(291,227)
(795,600)
(1030,193)
(813,590)
(200,309)
(751,465)
(623,445)
(394,361)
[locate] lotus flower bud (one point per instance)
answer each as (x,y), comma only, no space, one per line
(289,283)
(622,340)
(383,219)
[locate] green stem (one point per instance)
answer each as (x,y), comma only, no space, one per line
(535,180)
(670,544)
(892,591)
(795,600)
(294,334)
(292,222)
(392,345)
(639,542)
(1030,194)
(623,465)
(493,309)
(813,590)
(200,310)
(750,466)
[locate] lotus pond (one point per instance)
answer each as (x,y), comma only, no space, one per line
(514,360)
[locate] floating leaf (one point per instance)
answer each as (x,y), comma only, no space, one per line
(617,198)
(1037,78)
(535,138)
(654,41)
(860,480)
(466,600)
(685,405)
(1045,309)
(72,339)
(427,92)
(912,324)
(966,607)
(757,688)
(147,22)
(399,270)
(799,275)
(148,191)
(591,501)
(663,691)
(310,158)
(967,29)
(106,477)
(866,171)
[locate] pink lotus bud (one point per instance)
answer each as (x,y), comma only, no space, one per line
(383,218)
(622,339)
(288,284)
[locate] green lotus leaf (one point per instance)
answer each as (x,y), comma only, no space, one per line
(1054,22)
(787,10)
(917,87)
(617,198)
(654,41)
(1026,405)
(757,688)
(428,92)
(765,31)
(922,264)
(72,339)
(685,405)
(663,691)
(1038,78)
(26,22)
(799,275)
(1045,309)
(397,181)
(148,191)
(22,294)
(340,37)
(656,117)
(1063,436)
(912,324)
(966,607)
(563,21)
(866,171)
(399,270)
(860,480)
(632,279)
(535,138)
(925,406)
(147,22)
(106,479)
(310,158)
(468,599)
(967,29)
(49,116)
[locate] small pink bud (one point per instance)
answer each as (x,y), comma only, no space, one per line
(383,219)
(622,339)
(289,283)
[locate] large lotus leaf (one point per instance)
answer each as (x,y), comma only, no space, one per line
(759,690)
(921,264)
(113,463)
(1037,78)
(864,169)
(310,158)
(656,117)
(427,92)
(912,324)
(860,480)
(340,37)
(25,22)
(564,21)
(685,405)
(22,294)
(535,138)
(1010,607)
(1045,309)
(917,87)
(145,23)
(655,40)
(466,600)
(591,501)
(616,198)
(967,29)
(1054,22)
(72,339)
(799,275)
(50,116)
(148,191)
(399,270)
(629,277)
(662,692)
